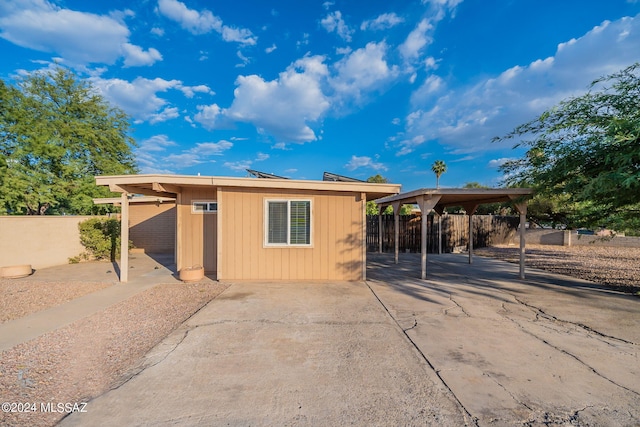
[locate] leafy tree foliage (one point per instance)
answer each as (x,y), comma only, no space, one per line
(56,134)
(372,207)
(586,152)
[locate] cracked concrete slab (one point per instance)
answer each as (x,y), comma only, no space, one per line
(545,350)
(282,354)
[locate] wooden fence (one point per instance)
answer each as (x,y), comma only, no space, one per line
(488,230)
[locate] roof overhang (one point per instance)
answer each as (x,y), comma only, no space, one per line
(160,185)
(458,196)
(138,199)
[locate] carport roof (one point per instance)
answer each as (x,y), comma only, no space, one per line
(458,196)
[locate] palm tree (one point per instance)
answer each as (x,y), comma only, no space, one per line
(439,167)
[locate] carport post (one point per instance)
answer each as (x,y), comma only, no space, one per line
(380,209)
(426,204)
(470,208)
(396,227)
(439,210)
(522,208)
(124,237)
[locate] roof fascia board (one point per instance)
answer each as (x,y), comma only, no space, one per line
(411,196)
(182,180)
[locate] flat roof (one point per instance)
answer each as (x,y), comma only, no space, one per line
(458,196)
(169,185)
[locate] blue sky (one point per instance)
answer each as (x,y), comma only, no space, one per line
(296,88)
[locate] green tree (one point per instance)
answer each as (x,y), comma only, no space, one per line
(56,134)
(586,151)
(372,207)
(439,167)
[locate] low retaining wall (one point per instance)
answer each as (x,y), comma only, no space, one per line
(544,236)
(42,241)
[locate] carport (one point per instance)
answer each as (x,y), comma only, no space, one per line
(429,199)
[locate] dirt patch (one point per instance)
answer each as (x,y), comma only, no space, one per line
(615,268)
(83,360)
(19,298)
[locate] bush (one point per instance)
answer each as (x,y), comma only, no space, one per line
(101,237)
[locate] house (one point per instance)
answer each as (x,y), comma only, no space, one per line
(260,229)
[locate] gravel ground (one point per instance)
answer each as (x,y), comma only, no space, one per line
(615,268)
(85,359)
(21,298)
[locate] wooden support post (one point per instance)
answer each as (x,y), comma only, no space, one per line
(380,209)
(124,237)
(426,204)
(439,210)
(471,210)
(521,207)
(363,200)
(396,229)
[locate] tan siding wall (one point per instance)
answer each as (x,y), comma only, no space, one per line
(335,254)
(197,231)
(152,226)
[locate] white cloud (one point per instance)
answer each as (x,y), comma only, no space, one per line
(416,40)
(156,31)
(147,151)
(211,148)
(496,163)
(284,107)
(151,158)
(203,22)
(407,146)
(468,118)
(139,97)
(362,71)
(164,115)
(262,157)
(327,4)
(334,22)
(79,37)
(271,48)
(304,41)
(364,162)
(156,143)
(238,166)
(190,91)
(243,58)
(135,56)
(208,115)
(183,160)
(382,22)
(431,86)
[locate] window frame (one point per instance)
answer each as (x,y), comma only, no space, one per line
(288,244)
(208,209)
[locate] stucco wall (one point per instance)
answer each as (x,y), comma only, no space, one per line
(544,236)
(42,241)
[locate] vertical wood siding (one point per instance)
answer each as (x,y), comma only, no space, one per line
(336,230)
(197,232)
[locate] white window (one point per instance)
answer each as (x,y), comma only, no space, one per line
(204,207)
(287,223)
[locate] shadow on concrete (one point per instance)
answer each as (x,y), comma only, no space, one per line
(446,272)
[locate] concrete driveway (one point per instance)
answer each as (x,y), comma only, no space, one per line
(282,354)
(473,345)
(541,351)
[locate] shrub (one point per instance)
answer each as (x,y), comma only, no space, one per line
(101,237)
